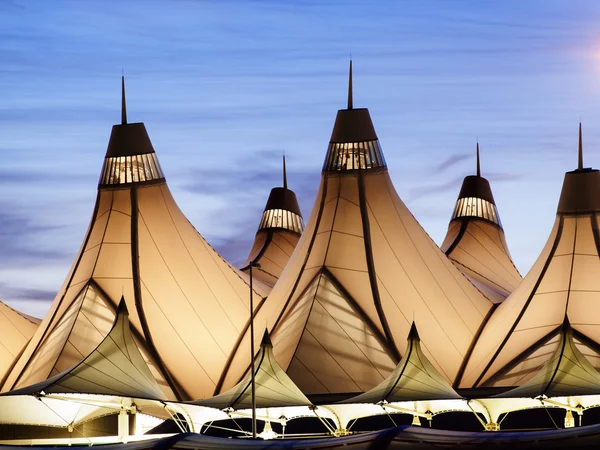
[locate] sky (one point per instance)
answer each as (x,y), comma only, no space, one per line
(225,87)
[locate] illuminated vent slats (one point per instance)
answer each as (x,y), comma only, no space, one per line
(281,218)
(354,156)
(476,207)
(130,169)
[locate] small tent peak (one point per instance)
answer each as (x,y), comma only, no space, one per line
(266,340)
(566,325)
(413,334)
(122,308)
(350,100)
(580,151)
(123,102)
(478,163)
(284,173)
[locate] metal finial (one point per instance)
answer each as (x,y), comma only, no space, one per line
(350,87)
(478,165)
(580,159)
(123,103)
(284,173)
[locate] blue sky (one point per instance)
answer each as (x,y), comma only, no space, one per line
(225,86)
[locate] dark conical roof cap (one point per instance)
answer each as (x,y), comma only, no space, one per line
(478,187)
(282,198)
(581,188)
(352,125)
(128,139)
(266,340)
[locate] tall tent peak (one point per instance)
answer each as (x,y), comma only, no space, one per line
(581,188)
(354,144)
(478,163)
(350,101)
(123,102)
(130,156)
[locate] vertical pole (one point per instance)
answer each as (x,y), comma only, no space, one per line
(252,354)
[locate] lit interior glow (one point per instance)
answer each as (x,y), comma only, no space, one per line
(354,156)
(281,218)
(476,207)
(131,169)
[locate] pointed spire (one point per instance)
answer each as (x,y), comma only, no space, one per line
(122,308)
(350,87)
(413,334)
(580,161)
(284,173)
(266,340)
(478,165)
(123,104)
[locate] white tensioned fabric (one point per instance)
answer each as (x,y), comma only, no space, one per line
(15,332)
(565,279)
(566,373)
(330,334)
(114,367)
(194,304)
(413,379)
(272,250)
(478,248)
(273,387)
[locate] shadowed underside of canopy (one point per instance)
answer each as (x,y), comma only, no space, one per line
(522,334)
(115,367)
(15,332)
(566,373)
(414,378)
(187,305)
(273,387)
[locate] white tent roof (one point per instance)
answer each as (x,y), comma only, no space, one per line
(521,335)
(475,240)
(15,332)
(115,367)
(188,306)
(363,269)
(273,387)
(414,378)
(566,373)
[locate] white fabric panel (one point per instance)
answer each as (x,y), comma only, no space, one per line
(114,367)
(482,251)
(273,387)
(15,332)
(336,345)
(420,280)
(569,286)
(501,322)
(414,378)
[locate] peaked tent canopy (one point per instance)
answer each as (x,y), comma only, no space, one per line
(278,233)
(475,240)
(15,332)
(188,306)
(414,378)
(273,387)
(566,373)
(115,367)
(362,270)
(522,334)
